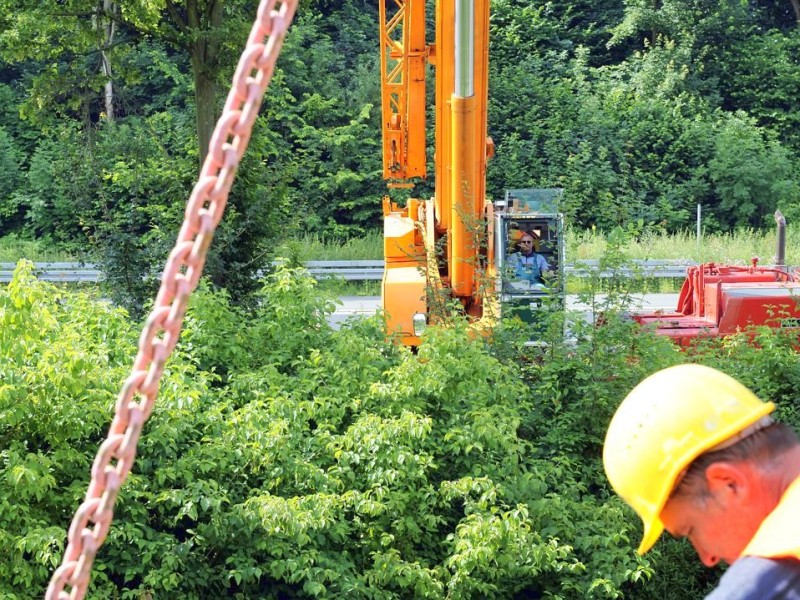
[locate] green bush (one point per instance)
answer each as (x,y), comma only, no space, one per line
(286,459)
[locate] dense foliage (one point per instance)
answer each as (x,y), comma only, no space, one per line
(286,459)
(639,110)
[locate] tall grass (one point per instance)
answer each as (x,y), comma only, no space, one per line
(314,247)
(736,248)
(732,248)
(13,249)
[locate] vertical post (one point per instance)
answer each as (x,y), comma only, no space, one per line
(780,258)
(699,215)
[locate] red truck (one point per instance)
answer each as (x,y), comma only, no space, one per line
(720,300)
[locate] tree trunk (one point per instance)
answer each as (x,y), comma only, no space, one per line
(109,89)
(205,103)
(200,27)
(86,115)
(796,7)
(205,66)
(109,29)
(104,22)
(653,31)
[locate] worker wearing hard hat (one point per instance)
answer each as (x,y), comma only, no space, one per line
(695,452)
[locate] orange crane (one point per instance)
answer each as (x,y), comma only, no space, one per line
(456,242)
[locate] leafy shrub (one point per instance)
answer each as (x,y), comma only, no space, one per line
(286,459)
(61,359)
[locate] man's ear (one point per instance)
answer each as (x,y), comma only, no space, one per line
(727,480)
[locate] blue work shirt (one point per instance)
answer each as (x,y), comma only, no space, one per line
(756,578)
(528,268)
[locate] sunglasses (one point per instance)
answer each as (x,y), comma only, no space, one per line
(526,242)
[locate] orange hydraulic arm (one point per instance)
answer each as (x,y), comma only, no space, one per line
(460,57)
(462,34)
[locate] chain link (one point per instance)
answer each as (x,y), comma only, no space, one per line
(184,266)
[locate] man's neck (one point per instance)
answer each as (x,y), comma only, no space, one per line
(790,469)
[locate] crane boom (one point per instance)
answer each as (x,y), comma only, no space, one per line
(403,57)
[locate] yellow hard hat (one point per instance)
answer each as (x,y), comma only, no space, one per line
(667,421)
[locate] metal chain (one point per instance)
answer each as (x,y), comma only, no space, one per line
(183,269)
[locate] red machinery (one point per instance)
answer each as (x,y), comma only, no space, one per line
(719,300)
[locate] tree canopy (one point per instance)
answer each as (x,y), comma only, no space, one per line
(640,110)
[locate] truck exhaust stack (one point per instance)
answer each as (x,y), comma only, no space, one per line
(780,255)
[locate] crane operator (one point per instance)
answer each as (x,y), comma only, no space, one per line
(527,266)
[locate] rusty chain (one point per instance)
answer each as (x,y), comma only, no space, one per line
(184,266)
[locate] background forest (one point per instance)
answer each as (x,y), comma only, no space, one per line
(286,459)
(641,110)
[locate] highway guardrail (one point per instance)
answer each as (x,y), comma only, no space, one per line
(362,270)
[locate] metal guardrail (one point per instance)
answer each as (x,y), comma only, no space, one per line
(350,270)
(64,272)
(362,270)
(673,268)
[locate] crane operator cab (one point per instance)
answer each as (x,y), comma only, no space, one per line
(529,232)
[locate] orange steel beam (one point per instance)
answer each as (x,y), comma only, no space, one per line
(403,57)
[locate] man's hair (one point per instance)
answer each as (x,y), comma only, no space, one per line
(765,448)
